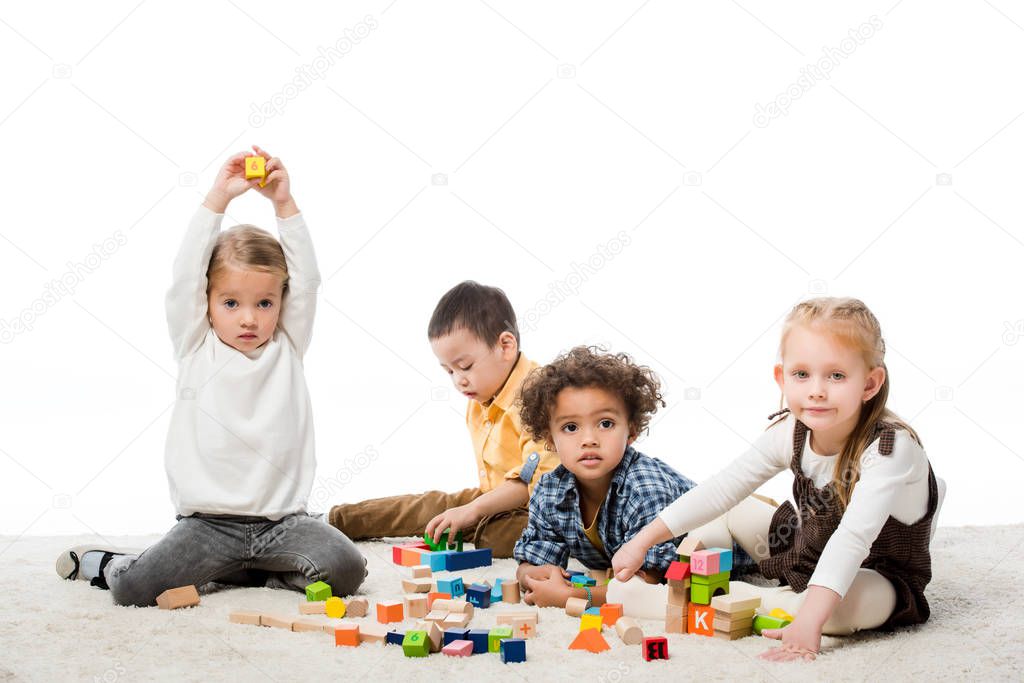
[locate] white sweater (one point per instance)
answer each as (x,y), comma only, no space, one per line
(241,436)
(895,485)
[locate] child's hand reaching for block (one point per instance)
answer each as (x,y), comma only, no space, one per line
(276,186)
(229,183)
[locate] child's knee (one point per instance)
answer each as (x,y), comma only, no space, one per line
(345,570)
(130,590)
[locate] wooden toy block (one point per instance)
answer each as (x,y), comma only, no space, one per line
(479,638)
(394,637)
(590,640)
(334,607)
(370,632)
(417,585)
(453,586)
(629,631)
(456,544)
(442,543)
(510,592)
(245,616)
(459,606)
(456,620)
(312,607)
(452,634)
(575,607)
(431,597)
(689,546)
(496,635)
(176,598)
(590,621)
(524,628)
(468,559)
(358,607)
(422,571)
(678,571)
(655,648)
(763,621)
(255,167)
(496,591)
(307,624)
(582,580)
(675,619)
(723,622)
(508,617)
(780,613)
(678,594)
(346,634)
(724,558)
(704,563)
(733,635)
(438,561)
(436,615)
(701,620)
(318,592)
(707,580)
(611,612)
(458,648)
(389,612)
(512,650)
(411,557)
(479,596)
(277,621)
(734,603)
(702,594)
(434,635)
(398,558)
(415,644)
(415,605)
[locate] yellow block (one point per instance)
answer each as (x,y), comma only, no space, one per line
(335,607)
(590,621)
(781,614)
(254,167)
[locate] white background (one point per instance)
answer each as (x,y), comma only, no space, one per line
(562,130)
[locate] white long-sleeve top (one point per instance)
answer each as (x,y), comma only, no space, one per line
(241,435)
(895,485)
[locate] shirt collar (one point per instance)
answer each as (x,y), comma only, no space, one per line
(567,480)
(506,396)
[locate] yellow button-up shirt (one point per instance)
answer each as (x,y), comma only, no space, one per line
(503,450)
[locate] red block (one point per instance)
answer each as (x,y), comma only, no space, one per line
(655,648)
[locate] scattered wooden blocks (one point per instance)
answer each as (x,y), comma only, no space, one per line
(510,593)
(421,571)
(415,605)
(458,648)
(245,616)
(591,619)
(456,620)
(509,617)
(479,638)
(479,596)
(453,586)
(334,607)
(436,616)
(434,635)
(358,607)
(575,607)
(370,632)
(468,559)
(394,637)
(590,640)
(611,612)
(417,585)
(415,644)
(452,634)
(431,597)
(512,650)
(277,621)
(312,608)
(389,612)
(346,634)
(176,598)
(655,648)
(524,628)
(306,625)
(629,631)
(496,635)
(319,591)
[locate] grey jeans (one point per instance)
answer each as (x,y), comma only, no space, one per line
(291,553)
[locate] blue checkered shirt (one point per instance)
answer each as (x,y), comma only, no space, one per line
(641,487)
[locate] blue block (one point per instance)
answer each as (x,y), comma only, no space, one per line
(496,591)
(724,560)
(468,559)
(455,634)
(582,580)
(479,638)
(479,596)
(395,638)
(593,610)
(512,650)
(453,586)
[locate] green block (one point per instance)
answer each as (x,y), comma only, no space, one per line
(440,545)
(496,635)
(702,593)
(318,592)
(456,545)
(763,621)
(708,580)
(415,644)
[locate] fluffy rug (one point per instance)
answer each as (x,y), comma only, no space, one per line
(54,630)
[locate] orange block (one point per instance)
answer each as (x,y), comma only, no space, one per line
(610,613)
(701,620)
(388,612)
(410,557)
(346,634)
(436,596)
(590,640)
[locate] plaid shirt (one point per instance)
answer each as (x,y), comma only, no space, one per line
(640,488)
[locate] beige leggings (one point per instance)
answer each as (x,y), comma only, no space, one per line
(868,603)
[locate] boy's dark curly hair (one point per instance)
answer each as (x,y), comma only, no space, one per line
(589,366)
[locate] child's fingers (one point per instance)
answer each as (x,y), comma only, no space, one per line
(273,177)
(274,164)
(773,633)
(262,152)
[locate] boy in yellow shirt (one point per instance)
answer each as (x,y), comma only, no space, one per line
(474,335)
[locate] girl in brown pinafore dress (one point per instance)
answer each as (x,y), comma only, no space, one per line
(852,554)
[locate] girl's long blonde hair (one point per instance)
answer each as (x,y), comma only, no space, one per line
(249,248)
(854,325)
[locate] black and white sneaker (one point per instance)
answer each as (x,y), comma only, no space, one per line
(86,563)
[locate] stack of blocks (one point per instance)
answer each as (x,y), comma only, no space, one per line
(452,560)
(698,577)
(734,616)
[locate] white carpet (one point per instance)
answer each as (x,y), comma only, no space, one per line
(54,630)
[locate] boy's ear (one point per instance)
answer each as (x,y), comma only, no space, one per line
(778,375)
(509,345)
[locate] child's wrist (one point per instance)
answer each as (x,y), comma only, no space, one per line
(286,208)
(216,200)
